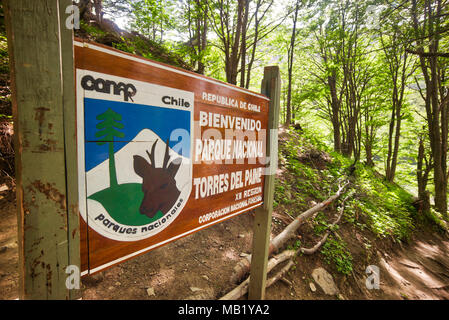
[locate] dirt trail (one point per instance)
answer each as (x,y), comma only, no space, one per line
(200,266)
(8,248)
(418,271)
(415,271)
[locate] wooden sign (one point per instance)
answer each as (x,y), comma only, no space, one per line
(162,153)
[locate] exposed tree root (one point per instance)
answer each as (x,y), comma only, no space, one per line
(242,289)
(287,255)
(243,266)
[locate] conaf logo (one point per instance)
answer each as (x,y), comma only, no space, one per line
(100,85)
(138,175)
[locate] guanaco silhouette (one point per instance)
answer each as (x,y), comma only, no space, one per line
(159,184)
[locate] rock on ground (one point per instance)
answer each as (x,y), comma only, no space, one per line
(325,281)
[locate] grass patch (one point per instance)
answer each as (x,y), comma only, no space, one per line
(122,202)
(4,57)
(388,207)
(91,30)
(384,208)
(335,253)
(437,220)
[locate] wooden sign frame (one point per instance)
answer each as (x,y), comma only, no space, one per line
(43,101)
(222,171)
(44,110)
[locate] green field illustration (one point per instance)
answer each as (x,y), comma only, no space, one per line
(122,202)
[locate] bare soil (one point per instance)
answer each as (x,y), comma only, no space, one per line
(9,275)
(199,266)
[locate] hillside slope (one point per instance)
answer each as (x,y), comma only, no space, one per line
(108,33)
(380,227)
(105,32)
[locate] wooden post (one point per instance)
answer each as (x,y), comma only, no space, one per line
(43,98)
(271,87)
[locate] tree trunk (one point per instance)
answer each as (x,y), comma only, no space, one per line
(422,175)
(422,172)
(369,155)
(335,107)
(244,264)
(233,60)
(201,33)
(112,171)
(85,8)
(243,44)
(98,9)
(436,112)
(291,54)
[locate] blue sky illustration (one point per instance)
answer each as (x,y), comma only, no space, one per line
(135,118)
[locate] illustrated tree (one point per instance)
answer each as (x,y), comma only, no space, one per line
(108,131)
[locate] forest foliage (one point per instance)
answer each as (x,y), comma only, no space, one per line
(368,78)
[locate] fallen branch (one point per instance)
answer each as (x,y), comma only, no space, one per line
(242,289)
(280,274)
(244,265)
(287,255)
(324,238)
(440,288)
(356,280)
(287,282)
(290,230)
(428,54)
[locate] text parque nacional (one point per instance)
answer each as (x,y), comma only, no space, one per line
(234,147)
